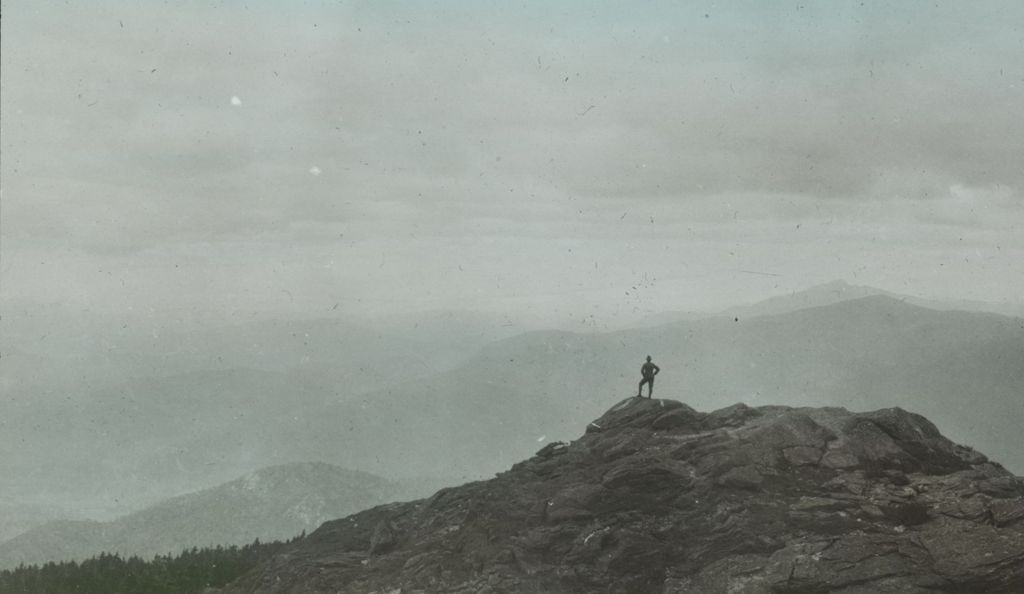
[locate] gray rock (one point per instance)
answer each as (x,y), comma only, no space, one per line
(742,477)
(656,497)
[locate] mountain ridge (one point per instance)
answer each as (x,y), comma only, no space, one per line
(957,367)
(829,293)
(276,502)
(658,497)
(965,381)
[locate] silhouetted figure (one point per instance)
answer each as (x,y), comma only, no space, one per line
(648,370)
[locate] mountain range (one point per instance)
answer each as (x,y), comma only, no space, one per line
(829,294)
(153,403)
(965,370)
(278,502)
(461,396)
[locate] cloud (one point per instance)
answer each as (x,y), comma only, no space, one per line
(627,115)
(490,123)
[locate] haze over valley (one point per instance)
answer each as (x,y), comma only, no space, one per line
(322,390)
(267,265)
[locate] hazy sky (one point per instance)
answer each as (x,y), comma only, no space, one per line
(551,159)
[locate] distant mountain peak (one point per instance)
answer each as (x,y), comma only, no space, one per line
(837,284)
(274,502)
(658,497)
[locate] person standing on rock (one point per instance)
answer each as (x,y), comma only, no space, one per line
(648,370)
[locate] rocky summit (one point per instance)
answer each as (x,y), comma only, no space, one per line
(657,497)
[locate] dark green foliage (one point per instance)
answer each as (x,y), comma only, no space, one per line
(192,571)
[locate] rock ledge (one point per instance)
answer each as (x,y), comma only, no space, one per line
(658,497)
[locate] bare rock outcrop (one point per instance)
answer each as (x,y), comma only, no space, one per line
(657,497)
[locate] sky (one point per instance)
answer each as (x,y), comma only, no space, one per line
(207,162)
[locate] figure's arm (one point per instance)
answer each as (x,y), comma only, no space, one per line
(657,369)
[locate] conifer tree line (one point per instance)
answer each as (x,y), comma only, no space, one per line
(190,572)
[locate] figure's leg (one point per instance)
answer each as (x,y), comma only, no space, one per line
(640,388)
(650,388)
